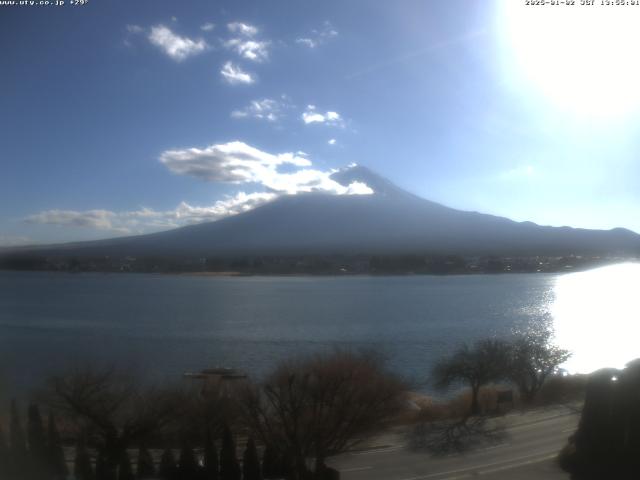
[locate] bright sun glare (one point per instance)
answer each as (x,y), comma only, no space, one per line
(597,316)
(583,58)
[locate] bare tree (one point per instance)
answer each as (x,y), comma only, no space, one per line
(475,365)
(454,436)
(204,412)
(533,358)
(322,405)
(113,408)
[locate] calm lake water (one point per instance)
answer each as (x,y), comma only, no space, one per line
(162,325)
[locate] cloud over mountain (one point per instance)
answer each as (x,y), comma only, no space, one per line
(231,163)
(147,220)
(237,162)
(97,219)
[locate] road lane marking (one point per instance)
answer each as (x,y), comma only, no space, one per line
(522,464)
(476,469)
(476,450)
(506,429)
(356,469)
(378,450)
(498,445)
(537,423)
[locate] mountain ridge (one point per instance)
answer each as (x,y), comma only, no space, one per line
(388,221)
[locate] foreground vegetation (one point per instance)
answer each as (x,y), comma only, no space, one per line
(526,362)
(307,410)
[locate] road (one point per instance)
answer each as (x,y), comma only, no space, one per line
(527,452)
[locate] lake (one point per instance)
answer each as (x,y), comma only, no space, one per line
(164,325)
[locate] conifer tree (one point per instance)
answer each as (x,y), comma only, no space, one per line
(285,466)
(270,462)
(146,468)
(18,446)
(229,467)
(4,455)
(125,472)
(187,465)
(250,462)
(57,465)
(55,454)
(36,439)
(211,464)
(16,433)
(102,472)
(82,468)
(168,467)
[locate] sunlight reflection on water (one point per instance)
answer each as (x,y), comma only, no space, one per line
(597,316)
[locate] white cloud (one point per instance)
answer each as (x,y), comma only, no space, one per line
(15,241)
(233,162)
(97,219)
(332,141)
(242,29)
(186,214)
(234,75)
(207,27)
(245,45)
(176,47)
(312,115)
(359,188)
(134,29)
(308,42)
(240,202)
(319,36)
(237,162)
(147,220)
(264,109)
(249,49)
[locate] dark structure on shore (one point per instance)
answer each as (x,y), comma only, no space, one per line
(607,442)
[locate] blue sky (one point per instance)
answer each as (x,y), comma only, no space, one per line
(122,117)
